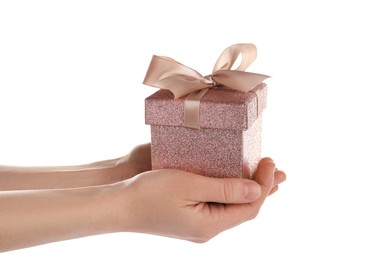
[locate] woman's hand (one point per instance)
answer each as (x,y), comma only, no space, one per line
(165,202)
(135,162)
(192,207)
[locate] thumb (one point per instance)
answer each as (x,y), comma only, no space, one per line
(228,191)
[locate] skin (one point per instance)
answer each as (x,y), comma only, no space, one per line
(40,205)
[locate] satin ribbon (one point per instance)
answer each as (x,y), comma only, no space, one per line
(166,73)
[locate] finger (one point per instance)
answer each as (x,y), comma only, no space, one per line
(228,190)
(273,190)
(234,214)
(279,177)
(265,177)
(229,215)
(265,160)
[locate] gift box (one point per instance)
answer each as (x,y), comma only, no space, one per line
(214,130)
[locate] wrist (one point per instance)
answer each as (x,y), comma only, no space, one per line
(108,171)
(102,209)
(117,204)
(56,214)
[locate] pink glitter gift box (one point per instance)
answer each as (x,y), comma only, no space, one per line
(206,125)
(227,143)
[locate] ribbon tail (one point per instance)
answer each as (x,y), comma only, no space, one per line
(192,109)
(238,80)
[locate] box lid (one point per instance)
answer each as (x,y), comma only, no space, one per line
(219,108)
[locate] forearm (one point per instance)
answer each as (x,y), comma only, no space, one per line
(56,177)
(29,218)
(98,173)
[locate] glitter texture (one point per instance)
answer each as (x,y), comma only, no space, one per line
(228,143)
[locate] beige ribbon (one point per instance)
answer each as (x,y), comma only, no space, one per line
(166,73)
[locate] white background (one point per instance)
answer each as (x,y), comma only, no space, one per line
(71,92)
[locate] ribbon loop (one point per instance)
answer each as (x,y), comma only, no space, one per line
(166,73)
(228,57)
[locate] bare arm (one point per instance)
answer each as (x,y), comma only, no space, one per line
(98,173)
(34,217)
(177,206)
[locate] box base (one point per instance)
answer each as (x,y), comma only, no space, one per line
(210,152)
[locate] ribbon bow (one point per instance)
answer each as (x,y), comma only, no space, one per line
(166,73)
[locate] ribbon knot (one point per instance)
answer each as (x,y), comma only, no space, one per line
(210,81)
(166,73)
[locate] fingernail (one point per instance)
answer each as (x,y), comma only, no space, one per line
(252,190)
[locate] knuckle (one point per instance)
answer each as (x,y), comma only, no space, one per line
(201,236)
(229,191)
